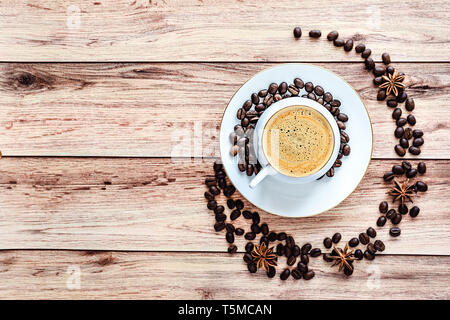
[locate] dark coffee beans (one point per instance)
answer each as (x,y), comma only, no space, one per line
(315,252)
(219,226)
(353,242)
(398,169)
(400,150)
(285,274)
(364,238)
(414,150)
(418,142)
(411,173)
(252,267)
(296,274)
(388,176)
(406,165)
(417,133)
(348,46)
(239,231)
(306,248)
(299,83)
(370,64)
(395,232)
(309,275)
(408,133)
(368,255)
(247,214)
(250,236)
(366,53)
(271,273)
(383,207)
(358,254)
(371,232)
(230,237)
(411,119)
(397,113)
(303,268)
(327,243)
(391,103)
(336,237)
(212,204)
(414,211)
(409,104)
(402,208)
(272,236)
(404,143)
(315,33)
(297,32)
(230,227)
(378,71)
(381,221)
(235,214)
(399,131)
(232,249)
(291,260)
(379,245)
(397,218)
(381,95)
(386,58)
(339,42)
(333,35)
(360,47)
(371,248)
(421,167)
(391,214)
(421,186)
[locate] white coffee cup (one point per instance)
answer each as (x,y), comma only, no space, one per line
(267,169)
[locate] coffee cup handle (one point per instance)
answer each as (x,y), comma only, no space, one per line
(266,171)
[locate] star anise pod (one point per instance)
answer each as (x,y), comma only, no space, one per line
(393,82)
(402,191)
(264,257)
(343,258)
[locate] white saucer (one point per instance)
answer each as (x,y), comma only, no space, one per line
(312,198)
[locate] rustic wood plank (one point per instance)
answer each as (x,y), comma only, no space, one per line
(158,205)
(126,30)
(144,275)
(152,109)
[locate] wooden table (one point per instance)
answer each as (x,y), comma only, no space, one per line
(96,99)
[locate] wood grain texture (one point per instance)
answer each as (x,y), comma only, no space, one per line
(160,109)
(144,275)
(213,30)
(158,205)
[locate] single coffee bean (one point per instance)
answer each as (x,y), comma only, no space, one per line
(327,257)
(318,90)
(400,150)
(248,258)
(342,117)
(383,206)
(371,232)
(247,105)
(381,221)
(358,254)
(232,249)
(250,236)
(402,208)
(421,186)
(255,98)
(392,103)
(402,96)
(399,131)
(255,228)
(414,211)
(260,107)
(377,81)
(240,114)
(231,204)
(408,133)
(293,90)
(297,32)
(272,236)
(360,47)
(381,95)
(264,240)
(235,214)
(302,267)
(245,122)
(364,238)
(353,242)
(220,217)
(239,231)
(247,214)
(388,176)
(296,274)
(406,165)
(306,248)
(368,255)
(339,42)
(209,195)
(348,46)
(252,267)
(422,167)
(401,122)
(390,70)
(397,113)
(391,214)
(378,71)
(315,252)
(212,204)
(411,119)
(404,143)
(411,173)
(239,204)
(280,250)
(348,271)
(386,58)
(370,64)
(366,53)
(283,88)
(395,232)
(290,242)
(397,218)
(273,87)
(282,236)
(371,248)
(414,150)
(333,35)
(296,251)
(309,275)
(291,260)
(219,209)
(409,104)
(299,83)
(417,133)
(346,150)
(327,243)
(336,237)
(309,87)
(398,169)
(230,237)
(271,272)
(418,142)
(262,93)
(219,226)
(315,33)
(256,218)
(335,103)
(285,274)
(265,229)
(379,245)
(287,252)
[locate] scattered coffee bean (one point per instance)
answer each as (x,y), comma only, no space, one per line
(219,226)
(297,32)
(220,217)
(315,252)
(402,208)
(397,218)
(230,237)
(370,64)
(306,248)
(291,260)
(348,271)
(421,186)
(392,103)
(309,275)
(293,90)
(386,58)
(358,254)
(280,250)
(327,243)
(371,232)
(255,98)
(401,122)
(302,267)
(353,242)
(336,237)
(417,133)
(409,104)
(265,229)
(381,95)
(411,173)
(364,238)
(315,33)
(232,249)
(348,46)
(406,165)
(371,248)
(239,231)
(271,272)
(256,218)
(209,195)
(273,87)
(397,113)
(422,167)
(411,119)
(414,211)
(247,214)
(379,245)
(388,176)
(414,150)
(408,133)
(299,83)
(212,204)
(339,42)
(368,255)
(383,207)
(402,96)
(391,214)
(381,221)
(219,209)
(296,251)
(318,90)
(333,35)
(252,267)
(250,236)
(231,204)
(248,258)
(366,53)
(235,214)
(398,169)
(309,87)
(418,142)
(360,47)
(296,274)
(395,232)
(282,89)
(399,131)
(346,150)
(327,257)
(404,143)
(377,81)
(400,150)
(378,71)
(285,274)
(390,70)
(255,228)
